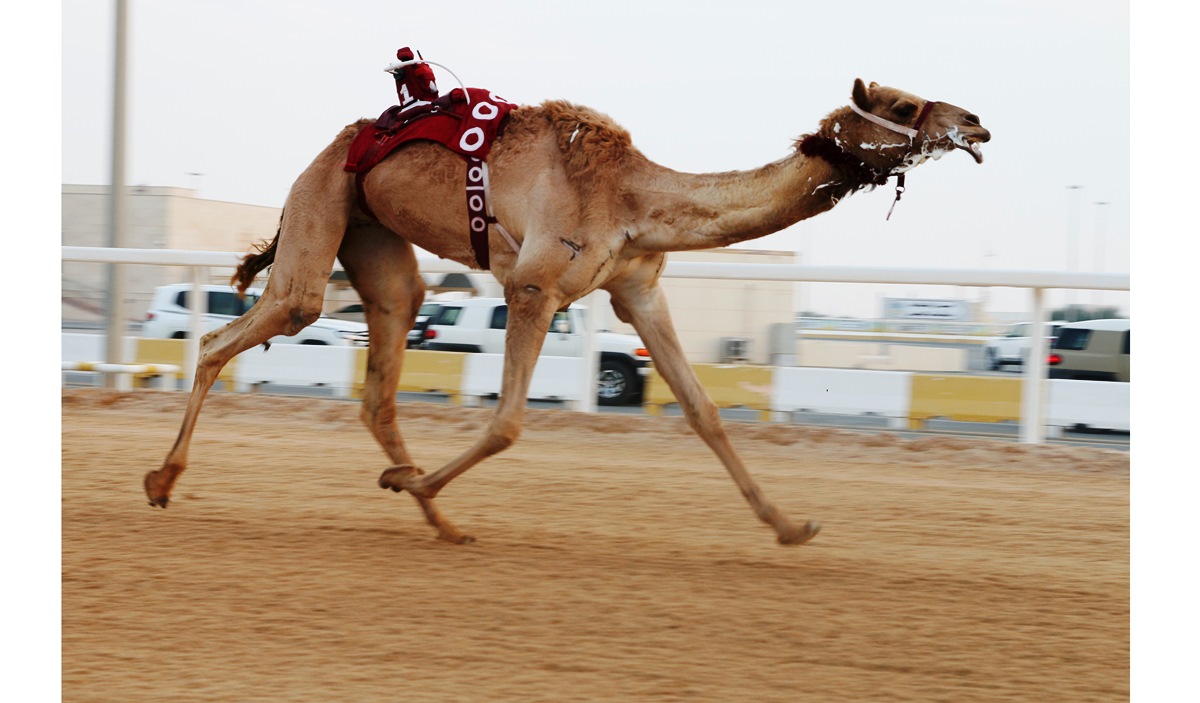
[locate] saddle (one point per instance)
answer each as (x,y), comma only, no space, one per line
(465,121)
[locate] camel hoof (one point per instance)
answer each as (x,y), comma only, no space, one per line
(158,497)
(800,535)
(455,538)
(397,477)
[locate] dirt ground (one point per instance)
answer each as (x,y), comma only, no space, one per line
(615,561)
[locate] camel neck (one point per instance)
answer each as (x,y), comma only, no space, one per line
(699,211)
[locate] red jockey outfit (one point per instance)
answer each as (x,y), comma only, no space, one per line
(466,121)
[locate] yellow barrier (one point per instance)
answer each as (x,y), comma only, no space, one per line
(171,351)
(964,398)
(424,371)
(729,386)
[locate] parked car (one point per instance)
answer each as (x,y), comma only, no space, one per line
(1013,345)
(353,313)
(1096,350)
(478,325)
(424,315)
(170,317)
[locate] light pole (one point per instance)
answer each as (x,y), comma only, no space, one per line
(1072,235)
(1100,243)
(118,215)
(985,253)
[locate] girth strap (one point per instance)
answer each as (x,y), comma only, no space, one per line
(479,212)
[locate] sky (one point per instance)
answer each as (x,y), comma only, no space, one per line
(246,93)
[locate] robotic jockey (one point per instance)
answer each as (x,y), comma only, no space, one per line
(414,81)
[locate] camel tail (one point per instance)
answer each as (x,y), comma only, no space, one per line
(253,263)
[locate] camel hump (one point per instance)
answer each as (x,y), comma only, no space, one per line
(595,148)
(577,124)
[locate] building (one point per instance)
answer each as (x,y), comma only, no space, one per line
(716,320)
(159,218)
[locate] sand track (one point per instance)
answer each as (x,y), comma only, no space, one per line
(616,562)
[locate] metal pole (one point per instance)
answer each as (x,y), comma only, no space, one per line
(114,352)
(1033,410)
(1072,235)
(1100,244)
(591,355)
(198,302)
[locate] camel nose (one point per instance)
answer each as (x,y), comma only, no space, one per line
(973,120)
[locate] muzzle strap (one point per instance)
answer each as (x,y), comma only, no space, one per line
(910,132)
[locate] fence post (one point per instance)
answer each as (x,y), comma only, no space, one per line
(199,306)
(1033,409)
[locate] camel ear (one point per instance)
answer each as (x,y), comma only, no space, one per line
(859,94)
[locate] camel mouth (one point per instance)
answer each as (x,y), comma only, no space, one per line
(971,146)
(969,142)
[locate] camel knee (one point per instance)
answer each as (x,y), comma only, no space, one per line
(526,296)
(301,316)
(501,434)
(288,317)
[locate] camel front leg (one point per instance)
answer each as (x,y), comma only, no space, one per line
(646,308)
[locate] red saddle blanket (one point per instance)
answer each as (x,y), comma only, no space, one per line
(467,128)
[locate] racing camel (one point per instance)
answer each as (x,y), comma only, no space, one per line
(576,208)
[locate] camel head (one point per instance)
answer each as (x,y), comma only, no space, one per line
(894,131)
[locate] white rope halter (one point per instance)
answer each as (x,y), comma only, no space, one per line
(910,132)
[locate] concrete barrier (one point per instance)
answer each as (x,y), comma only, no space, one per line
(173,351)
(964,398)
(1096,404)
(428,372)
(82,347)
(843,392)
(729,386)
(554,377)
(297,365)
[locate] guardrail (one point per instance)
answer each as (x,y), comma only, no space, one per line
(1033,384)
(904,399)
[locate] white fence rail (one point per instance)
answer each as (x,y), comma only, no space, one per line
(1033,397)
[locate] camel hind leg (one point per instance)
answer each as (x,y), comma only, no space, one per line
(313,224)
(383,269)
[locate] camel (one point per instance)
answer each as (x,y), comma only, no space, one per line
(589,211)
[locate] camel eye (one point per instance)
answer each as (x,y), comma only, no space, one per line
(904,110)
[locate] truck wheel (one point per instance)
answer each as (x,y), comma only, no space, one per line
(616,383)
(992,363)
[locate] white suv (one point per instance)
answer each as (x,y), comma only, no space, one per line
(170,317)
(479,324)
(1012,347)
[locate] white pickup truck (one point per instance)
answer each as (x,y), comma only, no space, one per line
(478,325)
